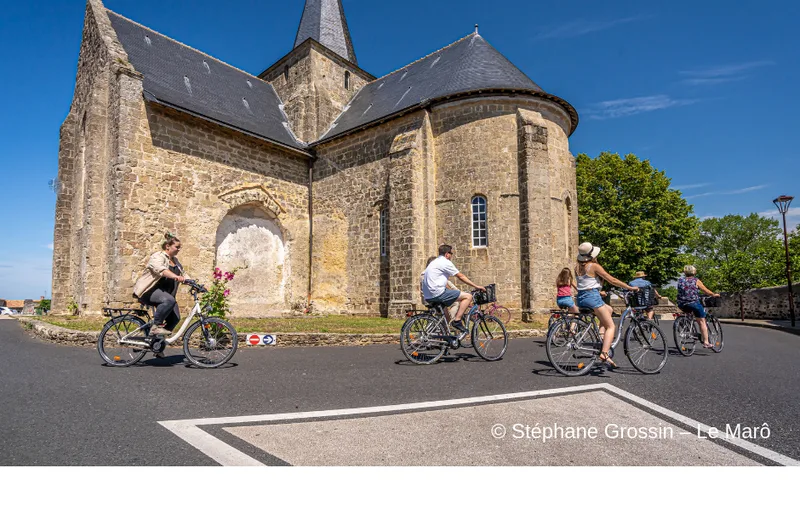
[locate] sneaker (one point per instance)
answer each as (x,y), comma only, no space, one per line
(159,331)
(159,354)
(459,325)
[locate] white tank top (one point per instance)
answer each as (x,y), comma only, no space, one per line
(587,283)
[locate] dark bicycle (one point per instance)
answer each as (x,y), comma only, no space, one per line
(426,337)
(574,346)
(686,330)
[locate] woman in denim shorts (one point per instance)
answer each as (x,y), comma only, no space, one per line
(589,277)
(689,287)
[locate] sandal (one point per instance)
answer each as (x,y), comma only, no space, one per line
(708,345)
(605,358)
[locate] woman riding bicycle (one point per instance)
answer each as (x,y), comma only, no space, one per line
(158,285)
(589,277)
(689,287)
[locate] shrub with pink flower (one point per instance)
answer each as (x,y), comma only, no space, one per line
(217,296)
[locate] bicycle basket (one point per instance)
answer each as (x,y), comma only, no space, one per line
(482,298)
(644,297)
(712,301)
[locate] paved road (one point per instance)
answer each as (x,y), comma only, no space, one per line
(61,406)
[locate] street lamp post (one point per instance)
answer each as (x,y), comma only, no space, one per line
(783,203)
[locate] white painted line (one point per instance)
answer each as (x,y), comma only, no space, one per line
(698,426)
(223,453)
(226,455)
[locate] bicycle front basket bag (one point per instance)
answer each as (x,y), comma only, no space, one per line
(482,298)
(712,301)
(644,297)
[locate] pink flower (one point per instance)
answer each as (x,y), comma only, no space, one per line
(228,276)
(227,293)
(217,274)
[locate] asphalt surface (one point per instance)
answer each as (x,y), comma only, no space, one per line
(61,406)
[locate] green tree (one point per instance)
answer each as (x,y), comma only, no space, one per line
(735,253)
(626,207)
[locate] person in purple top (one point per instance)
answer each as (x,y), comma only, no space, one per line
(689,287)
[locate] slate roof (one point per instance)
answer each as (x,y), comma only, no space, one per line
(470,64)
(324,21)
(179,76)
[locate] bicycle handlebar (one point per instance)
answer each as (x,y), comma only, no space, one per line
(195,286)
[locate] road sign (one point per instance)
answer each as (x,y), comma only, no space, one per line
(254,339)
(269,339)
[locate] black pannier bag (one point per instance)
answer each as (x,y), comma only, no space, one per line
(482,298)
(644,297)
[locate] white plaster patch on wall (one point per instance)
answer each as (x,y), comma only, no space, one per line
(247,236)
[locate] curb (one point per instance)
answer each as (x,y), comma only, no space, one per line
(789,330)
(75,338)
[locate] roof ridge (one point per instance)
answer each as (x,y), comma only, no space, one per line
(423,58)
(188,46)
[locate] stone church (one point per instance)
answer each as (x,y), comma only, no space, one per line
(332,186)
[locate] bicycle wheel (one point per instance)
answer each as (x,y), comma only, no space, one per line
(210,343)
(646,346)
(489,338)
(683,332)
(113,352)
(572,347)
(715,334)
(415,340)
(501,312)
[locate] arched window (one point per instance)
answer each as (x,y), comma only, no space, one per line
(347,80)
(567,220)
(480,237)
(286,73)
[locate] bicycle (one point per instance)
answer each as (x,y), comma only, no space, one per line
(426,337)
(125,338)
(499,311)
(573,346)
(686,331)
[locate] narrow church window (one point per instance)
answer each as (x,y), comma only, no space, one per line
(286,72)
(384,238)
(567,218)
(480,236)
(347,80)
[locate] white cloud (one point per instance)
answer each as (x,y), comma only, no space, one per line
(583,26)
(731,192)
(792,217)
(49,246)
(632,106)
(684,187)
(721,73)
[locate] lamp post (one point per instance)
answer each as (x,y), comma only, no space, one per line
(783,203)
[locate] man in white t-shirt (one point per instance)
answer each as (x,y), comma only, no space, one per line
(434,285)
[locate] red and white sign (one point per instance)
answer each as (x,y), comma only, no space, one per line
(254,339)
(262,339)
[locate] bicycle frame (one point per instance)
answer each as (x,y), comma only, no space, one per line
(593,326)
(196,311)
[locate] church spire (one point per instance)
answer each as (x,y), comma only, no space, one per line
(324,21)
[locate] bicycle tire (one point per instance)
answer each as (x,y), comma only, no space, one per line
(654,346)
(121,355)
(484,337)
(414,343)
(683,335)
(223,347)
(715,334)
(575,360)
(500,312)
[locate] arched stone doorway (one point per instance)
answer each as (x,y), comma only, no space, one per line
(250,235)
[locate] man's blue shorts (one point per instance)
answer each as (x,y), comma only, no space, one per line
(447,298)
(693,308)
(590,299)
(565,302)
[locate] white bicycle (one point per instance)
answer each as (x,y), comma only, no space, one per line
(207,342)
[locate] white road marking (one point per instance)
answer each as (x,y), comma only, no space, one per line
(227,455)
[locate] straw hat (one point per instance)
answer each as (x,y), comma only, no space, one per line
(640,274)
(587,251)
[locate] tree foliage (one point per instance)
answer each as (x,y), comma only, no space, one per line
(735,253)
(626,207)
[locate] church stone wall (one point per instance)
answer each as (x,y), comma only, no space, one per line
(185,175)
(355,178)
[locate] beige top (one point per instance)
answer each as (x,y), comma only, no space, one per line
(158,263)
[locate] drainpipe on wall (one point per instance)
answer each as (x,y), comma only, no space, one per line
(310,232)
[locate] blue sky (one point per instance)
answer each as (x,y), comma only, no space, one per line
(707,90)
